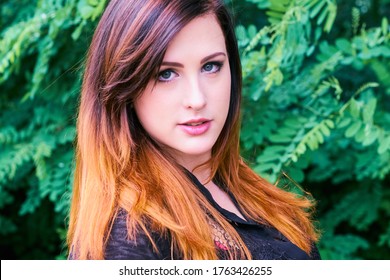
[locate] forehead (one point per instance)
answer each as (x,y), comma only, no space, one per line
(199,37)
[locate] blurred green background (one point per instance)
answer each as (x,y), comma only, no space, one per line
(316,107)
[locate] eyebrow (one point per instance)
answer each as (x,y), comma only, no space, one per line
(176,64)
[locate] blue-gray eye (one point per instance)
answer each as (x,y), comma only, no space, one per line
(166,75)
(212,67)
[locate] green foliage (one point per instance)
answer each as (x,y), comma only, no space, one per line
(315,106)
(40,55)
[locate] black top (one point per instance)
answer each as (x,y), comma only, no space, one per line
(264,242)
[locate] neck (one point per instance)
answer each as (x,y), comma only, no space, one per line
(201,172)
(195,164)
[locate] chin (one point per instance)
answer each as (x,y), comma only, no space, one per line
(196,152)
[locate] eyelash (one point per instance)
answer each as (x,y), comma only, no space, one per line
(217,64)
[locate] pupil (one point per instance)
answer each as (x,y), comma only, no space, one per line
(165,75)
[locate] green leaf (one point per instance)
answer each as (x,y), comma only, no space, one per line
(267,157)
(275,149)
(353,129)
(93,2)
(252,31)
(329,123)
(279,6)
(369,110)
(319,137)
(344,45)
(312,143)
(371,136)
(300,149)
(344,122)
(274,15)
(297,175)
(385,26)
(287,131)
(86,11)
(293,123)
(241,33)
(264,167)
(332,8)
(384,145)
(280,138)
(325,130)
(314,12)
(77,32)
(354,108)
(361,134)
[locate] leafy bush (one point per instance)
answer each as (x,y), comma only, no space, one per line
(316,107)
(41,56)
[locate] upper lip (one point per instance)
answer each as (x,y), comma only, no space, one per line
(192,121)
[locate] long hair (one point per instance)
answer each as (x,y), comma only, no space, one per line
(119,166)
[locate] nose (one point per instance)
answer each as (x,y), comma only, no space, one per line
(194,94)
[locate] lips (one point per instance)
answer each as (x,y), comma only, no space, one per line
(196,126)
(195,122)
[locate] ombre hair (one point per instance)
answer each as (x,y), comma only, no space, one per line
(119,166)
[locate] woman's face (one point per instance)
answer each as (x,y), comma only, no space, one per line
(185,107)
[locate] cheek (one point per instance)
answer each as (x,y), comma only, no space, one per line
(145,108)
(151,109)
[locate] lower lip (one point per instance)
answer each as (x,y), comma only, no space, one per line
(197,129)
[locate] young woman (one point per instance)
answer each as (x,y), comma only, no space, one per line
(158,174)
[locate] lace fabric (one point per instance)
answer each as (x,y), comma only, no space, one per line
(221,238)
